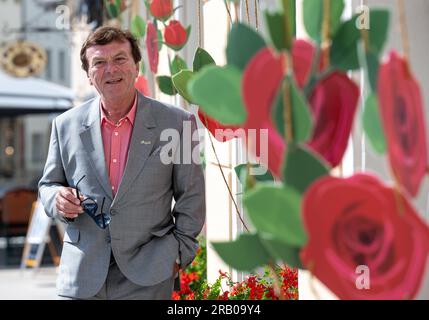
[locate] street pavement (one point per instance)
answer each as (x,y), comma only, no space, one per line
(28,284)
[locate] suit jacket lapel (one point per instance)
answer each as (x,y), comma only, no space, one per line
(141,144)
(93,143)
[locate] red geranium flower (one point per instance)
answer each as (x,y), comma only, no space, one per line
(152,46)
(175,35)
(161,9)
(333,102)
(403,120)
(361,222)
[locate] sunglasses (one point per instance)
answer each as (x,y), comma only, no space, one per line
(90,206)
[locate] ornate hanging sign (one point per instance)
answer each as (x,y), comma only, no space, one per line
(23,59)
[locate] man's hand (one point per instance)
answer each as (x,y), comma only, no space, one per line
(67,204)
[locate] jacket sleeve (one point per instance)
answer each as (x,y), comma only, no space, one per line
(53,177)
(189,195)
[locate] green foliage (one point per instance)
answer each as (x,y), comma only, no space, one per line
(218,91)
(180,82)
(165,84)
(201,59)
(138,27)
(177,65)
(303,167)
(246,253)
(313,17)
(372,124)
(243,43)
(302,123)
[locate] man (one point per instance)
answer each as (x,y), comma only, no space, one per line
(123,239)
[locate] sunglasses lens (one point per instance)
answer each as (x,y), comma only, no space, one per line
(102,220)
(90,206)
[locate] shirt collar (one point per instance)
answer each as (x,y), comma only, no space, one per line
(131,115)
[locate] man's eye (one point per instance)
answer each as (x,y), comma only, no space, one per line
(98,63)
(120,59)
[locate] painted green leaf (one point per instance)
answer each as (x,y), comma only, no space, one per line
(302,167)
(138,27)
(281,251)
(313,17)
(276,211)
(160,39)
(372,124)
(177,65)
(372,64)
(378,31)
(274,22)
(218,91)
(289,9)
(180,82)
(142,67)
(243,43)
(202,58)
(260,173)
(344,51)
(246,253)
(166,85)
(118,4)
(302,122)
(301,116)
(282,25)
(112,9)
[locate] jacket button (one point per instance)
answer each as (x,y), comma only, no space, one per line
(108,239)
(113,212)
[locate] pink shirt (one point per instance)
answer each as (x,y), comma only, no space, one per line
(116,141)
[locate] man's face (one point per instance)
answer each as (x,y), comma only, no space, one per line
(112,70)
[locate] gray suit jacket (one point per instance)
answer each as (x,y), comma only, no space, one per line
(145,234)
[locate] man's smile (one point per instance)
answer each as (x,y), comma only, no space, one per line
(114,81)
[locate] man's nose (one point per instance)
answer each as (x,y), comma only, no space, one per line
(111,66)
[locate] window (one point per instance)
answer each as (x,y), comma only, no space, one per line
(62,66)
(37,150)
(48,70)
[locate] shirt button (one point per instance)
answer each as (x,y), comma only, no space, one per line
(114,160)
(116,133)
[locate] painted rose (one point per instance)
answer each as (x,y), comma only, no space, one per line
(221,132)
(142,85)
(333,103)
(302,55)
(175,35)
(161,9)
(403,121)
(361,222)
(152,47)
(258,97)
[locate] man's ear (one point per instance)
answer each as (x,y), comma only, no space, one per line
(89,79)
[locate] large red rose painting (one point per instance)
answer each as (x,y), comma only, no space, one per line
(361,222)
